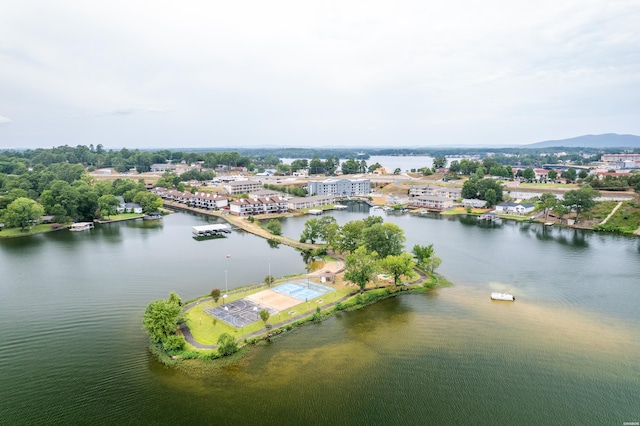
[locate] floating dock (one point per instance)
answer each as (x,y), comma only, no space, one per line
(211,230)
(81,226)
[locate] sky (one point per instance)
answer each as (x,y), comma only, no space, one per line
(181,74)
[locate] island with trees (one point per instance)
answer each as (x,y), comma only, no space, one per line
(375,267)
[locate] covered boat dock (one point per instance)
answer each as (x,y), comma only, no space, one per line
(211,230)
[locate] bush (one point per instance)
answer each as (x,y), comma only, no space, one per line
(173,343)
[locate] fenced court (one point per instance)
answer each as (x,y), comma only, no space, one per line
(239,312)
(273,299)
(303,290)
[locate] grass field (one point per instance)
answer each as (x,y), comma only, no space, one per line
(16,232)
(123,216)
(625,220)
(548,185)
(202,324)
(462,210)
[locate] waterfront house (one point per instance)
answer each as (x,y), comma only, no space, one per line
(474,203)
(437,191)
(432,202)
(514,208)
(258,206)
(299,203)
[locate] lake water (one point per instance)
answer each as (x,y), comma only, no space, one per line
(73,350)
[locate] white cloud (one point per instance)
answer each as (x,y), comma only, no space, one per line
(5,120)
(325,71)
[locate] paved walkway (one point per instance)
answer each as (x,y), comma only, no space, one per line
(615,209)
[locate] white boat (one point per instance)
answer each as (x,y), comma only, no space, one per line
(314,212)
(339,207)
(503,296)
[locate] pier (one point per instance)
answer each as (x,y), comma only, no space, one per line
(211,230)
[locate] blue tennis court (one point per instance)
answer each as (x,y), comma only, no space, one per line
(303,290)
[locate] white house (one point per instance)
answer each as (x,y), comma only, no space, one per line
(432,202)
(514,208)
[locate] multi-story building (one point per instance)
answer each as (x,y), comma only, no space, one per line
(436,191)
(339,187)
(258,206)
(300,203)
(242,187)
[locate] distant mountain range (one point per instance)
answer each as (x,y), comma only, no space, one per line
(608,140)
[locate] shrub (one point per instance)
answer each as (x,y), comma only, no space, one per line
(173,343)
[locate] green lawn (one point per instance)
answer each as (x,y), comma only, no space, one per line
(625,220)
(31,230)
(548,185)
(600,211)
(203,330)
(123,216)
(462,210)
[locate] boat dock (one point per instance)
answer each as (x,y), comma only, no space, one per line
(81,226)
(211,230)
(489,217)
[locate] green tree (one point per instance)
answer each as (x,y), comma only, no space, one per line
(561,210)
(490,197)
(548,201)
(529,174)
(432,263)
(580,199)
(161,319)
(22,212)
(108,204)
(227,345)
(349,236)
(439,162)
(484,189)
(386,239)
(268,280)
(470,189)
(215,294)
(372,168)
(569,174)
(148,201)
(311,231)
(360,267)
(299,164)
(397,266)
(274,227)
(62,193)
(264,316)
(422,254)
(552,175)
(397,171)
(328,229)
(350,166)
(173,343)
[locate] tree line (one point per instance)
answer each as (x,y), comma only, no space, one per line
(66,192)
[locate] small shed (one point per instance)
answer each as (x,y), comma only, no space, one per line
(327,277)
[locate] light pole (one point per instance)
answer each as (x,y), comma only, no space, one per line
(226,287)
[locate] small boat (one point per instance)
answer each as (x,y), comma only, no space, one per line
(503,296)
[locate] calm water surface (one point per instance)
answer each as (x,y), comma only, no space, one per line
(566,352)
